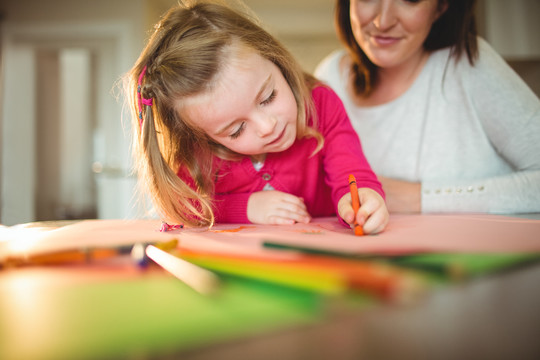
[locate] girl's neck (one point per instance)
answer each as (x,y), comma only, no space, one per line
(259,158)
(395,81)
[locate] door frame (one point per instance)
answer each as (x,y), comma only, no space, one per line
(112,45)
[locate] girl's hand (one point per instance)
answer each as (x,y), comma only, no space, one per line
(276,207)
(372,216)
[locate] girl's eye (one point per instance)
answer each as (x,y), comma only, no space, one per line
(269,99)
(239,131)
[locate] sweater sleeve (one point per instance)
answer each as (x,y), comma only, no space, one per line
(510,115)
(231,208)
(343,153)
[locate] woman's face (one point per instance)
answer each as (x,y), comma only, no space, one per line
(392,32)
(250,109)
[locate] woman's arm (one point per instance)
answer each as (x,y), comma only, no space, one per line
(509,113)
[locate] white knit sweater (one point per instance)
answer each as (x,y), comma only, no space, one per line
(470,135)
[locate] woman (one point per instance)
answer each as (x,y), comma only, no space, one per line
(445,123)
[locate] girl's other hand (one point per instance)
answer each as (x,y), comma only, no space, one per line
(276,207)
(372,216)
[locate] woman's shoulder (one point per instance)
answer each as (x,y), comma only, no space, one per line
(485,50)
(487,67)
(490,72)
(329,66)
(488,61)
(333,71)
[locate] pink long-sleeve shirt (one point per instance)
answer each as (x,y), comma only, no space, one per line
(321,180)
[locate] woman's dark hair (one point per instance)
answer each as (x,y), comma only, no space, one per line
(455,28)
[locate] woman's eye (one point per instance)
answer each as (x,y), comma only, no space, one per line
(239,131)
(270,98)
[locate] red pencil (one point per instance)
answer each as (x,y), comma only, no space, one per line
(355,204)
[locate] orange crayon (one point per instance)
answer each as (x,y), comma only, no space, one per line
(355,204)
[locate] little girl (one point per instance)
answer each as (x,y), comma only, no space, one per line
(229,129)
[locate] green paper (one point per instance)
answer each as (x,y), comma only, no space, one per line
(459,266)
(140,318)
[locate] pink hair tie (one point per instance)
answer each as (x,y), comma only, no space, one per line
(166,227)
(142,101)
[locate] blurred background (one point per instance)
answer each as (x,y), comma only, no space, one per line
(64,136)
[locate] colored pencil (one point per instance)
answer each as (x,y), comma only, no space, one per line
(78,255)
(199,279)
(322,274)
(355,204)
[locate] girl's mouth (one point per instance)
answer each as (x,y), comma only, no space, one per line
(276,140)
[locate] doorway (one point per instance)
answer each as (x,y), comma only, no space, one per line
(65,150)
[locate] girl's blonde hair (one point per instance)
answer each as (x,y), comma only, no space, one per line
(182,58)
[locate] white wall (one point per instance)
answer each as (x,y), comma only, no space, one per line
(513,28)
(77,188)
(110,34)
(18,146)
(306,27)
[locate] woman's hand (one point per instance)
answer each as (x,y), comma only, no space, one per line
(372,215)
(402,196)
(276,207)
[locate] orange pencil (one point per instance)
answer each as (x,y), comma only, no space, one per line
(355,204)
(325,274)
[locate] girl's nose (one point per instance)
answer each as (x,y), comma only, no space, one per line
(385,17)
(266,125)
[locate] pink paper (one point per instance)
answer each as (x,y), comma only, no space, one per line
(404,234)
(463,233)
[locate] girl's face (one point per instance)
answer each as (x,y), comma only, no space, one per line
(251,109)
(392,32)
